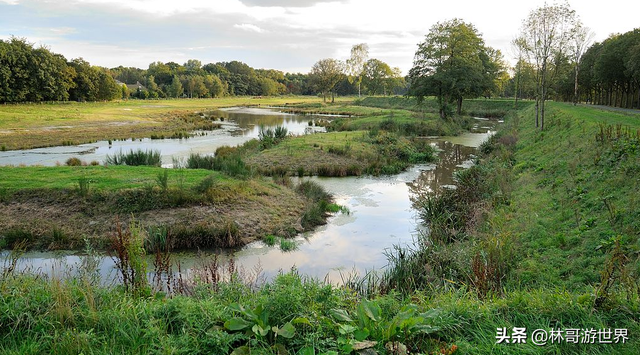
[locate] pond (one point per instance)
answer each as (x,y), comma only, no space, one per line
(380,216)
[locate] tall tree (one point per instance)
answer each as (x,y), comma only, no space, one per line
(545,36)
(376,77)
(580,40)
(325,75)
(633,68)
(214,85)
(355,63)
(451,64)
(175,89)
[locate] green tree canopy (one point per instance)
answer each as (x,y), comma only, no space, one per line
(452,63)
(325,74)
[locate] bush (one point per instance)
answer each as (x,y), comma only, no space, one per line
(269,137)
(73,162)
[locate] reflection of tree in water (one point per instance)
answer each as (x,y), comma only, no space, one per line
(249,121)
(429,181)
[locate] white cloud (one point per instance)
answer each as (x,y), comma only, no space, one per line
(249,27)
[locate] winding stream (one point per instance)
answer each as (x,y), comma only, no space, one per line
(381,213)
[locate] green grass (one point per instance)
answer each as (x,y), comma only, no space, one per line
(111,178)
(270,240)
(86,202)
(23,116)
(553,208)
(341,154)
(566,180)
(41,316)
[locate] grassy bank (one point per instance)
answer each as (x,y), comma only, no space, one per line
(543,210)
(349,153)
(58,207)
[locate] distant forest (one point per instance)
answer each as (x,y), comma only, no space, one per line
(35,74)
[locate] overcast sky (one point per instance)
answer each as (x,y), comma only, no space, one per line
(289,35)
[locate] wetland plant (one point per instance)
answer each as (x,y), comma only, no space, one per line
(288,245)
(270,240)
(135,158)
(83,186)
(163,180)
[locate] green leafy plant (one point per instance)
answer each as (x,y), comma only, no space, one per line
(256,324)
(163,180)
(370,324)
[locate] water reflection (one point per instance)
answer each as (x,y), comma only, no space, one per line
(238,126)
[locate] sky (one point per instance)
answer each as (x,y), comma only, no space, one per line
(288,35)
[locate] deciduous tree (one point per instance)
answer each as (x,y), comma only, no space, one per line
(451,64)
(355,64)
(545,37)
(325,74)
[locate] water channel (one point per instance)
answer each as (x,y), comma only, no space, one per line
(380,208)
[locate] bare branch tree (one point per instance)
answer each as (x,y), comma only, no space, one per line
(545,37)
(581,39)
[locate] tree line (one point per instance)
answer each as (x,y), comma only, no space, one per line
(37,74)
(610,71)
(34,74)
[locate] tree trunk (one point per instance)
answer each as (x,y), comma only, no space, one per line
(324,97)
(544,95)
(441,104)
(459,110)
(537,110)
(515,103)
(333,97)
(358,89)
(575,88)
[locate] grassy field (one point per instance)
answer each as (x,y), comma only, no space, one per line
(26,126)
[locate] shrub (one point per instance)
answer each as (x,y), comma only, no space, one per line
(73,161)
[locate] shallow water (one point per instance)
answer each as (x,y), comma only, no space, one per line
(238,126)
(381,216)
